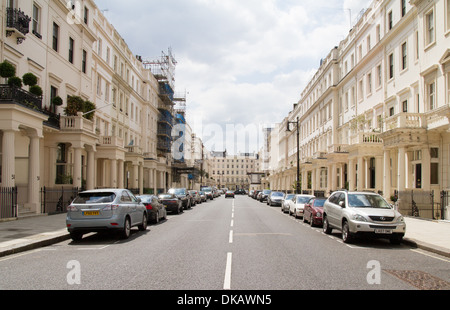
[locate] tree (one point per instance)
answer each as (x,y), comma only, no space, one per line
(7,70)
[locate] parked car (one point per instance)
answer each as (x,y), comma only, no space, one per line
(255,194)
(209,192)
(229,194)
(171,202)
(362,214)
(285,202)
(155,209)
(297,205)
(250,194)
(184,195)
(196,197)
(105,209)
(275,199)
(202,196)
(313,211)
(264,194)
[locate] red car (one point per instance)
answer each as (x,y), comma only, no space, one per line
(313,211)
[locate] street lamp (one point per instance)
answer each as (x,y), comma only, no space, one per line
(297,123)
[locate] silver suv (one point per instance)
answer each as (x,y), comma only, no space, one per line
(362,213)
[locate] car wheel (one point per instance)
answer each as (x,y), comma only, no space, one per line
(143,226)
(126,231)
(326,227)
(76,236)
(346,235)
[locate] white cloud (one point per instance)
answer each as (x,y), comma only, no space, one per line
(241,61)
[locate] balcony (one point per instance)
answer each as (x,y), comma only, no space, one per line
(110,141)
(77,124)
(19,96)
(17,23)
(366,138)
(406,120)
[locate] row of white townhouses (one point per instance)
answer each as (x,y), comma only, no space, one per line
(375,116)
(110,124)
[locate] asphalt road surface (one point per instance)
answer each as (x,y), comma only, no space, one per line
(237,244)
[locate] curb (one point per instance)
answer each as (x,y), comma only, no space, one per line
(426,246)
(35,245)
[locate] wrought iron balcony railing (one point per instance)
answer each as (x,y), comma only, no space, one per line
(17,95)
(17,20)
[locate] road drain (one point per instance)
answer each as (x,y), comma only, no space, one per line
(420,279)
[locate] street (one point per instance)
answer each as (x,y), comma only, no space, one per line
(237,244)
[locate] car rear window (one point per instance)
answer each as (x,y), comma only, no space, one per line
(319,202)
(278,194)
(165,196)
(101,197)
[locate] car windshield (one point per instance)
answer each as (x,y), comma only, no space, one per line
(98,197)
(207,189)
(367,201)
(277,194)
(177,191)
(166,196)
(303,199)
(145,198)
(266,191)
(319,202)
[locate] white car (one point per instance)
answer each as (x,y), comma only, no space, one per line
(362,213)
(285,202)
(297,205)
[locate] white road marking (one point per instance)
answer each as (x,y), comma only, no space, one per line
(227,281)
(230,239)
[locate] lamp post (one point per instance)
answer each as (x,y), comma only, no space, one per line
(297,123)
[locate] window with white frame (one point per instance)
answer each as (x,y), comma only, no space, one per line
(391,66)
(369,83)
(404,51)
(379,76)
(429,28)
(431,94)
(448,15)
(36,24)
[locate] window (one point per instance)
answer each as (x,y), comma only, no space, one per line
(379,76)
(361,90)
(86,15)
(391,111)
(405,106)
(390,20)
(55,36)
(391,66)
(403,8)
(36,26)
(448,15)
(404,56)
(432,95)
(84,62)
(71,50)
(416,45)
(378,33)
(429,31)
(434,152)
(369,83)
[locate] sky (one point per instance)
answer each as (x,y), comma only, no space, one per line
(242,63)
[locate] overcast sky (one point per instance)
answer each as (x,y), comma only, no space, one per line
(243,63)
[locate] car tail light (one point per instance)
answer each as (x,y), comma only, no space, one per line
(148,206)
(172,201)
(110,208)
(72,208)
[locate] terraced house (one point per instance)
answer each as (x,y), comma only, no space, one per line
(102,118)
(375,116)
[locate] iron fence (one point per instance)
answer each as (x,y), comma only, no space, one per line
(56,200)
(8,202)
(420,203)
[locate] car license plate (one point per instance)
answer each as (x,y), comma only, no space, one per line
(91,213)
(383,231)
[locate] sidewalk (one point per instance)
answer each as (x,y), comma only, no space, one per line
(35,232)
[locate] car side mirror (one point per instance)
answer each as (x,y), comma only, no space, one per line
(342,204)
(139,200)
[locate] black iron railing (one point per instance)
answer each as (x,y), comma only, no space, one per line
(17,19)
(17,95)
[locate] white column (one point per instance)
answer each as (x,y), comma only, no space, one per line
(426,166)
(401,178)
(77,166)
(33,174)
(351,175)
(120,177)
(114,179)
(8,159)
(387,174)
(141,179)
(90,173)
